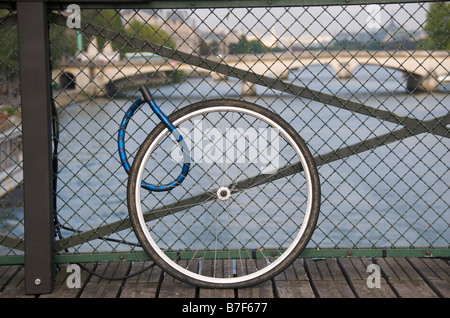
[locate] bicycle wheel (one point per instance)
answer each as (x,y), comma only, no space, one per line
(248,206)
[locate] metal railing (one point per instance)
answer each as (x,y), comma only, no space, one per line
(366,85)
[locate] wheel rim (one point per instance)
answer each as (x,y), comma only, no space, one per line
(222,203)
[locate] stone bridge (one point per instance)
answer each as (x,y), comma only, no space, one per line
(424,70)
(98,78)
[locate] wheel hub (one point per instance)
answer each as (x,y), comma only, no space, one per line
(223,193)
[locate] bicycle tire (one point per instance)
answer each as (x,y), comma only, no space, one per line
(154,228)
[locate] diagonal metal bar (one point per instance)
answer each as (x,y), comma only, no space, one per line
(412,126)
(8,21)
(12,242)
(246,75)
(182,4)
(181,205)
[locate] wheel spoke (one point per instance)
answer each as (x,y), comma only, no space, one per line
(229,206)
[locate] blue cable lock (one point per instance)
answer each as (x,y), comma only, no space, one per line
(147,97)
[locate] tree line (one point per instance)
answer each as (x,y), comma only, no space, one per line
(64,41)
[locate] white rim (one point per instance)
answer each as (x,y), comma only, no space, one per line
(217,280)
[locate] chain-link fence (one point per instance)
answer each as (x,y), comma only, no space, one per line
(366,86)
(11,173)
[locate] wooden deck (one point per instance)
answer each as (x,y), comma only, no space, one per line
(306,278)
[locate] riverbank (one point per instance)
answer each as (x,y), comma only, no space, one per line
(64,98)
(11,174)
(12,103)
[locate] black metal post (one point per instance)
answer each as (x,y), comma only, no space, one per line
(36,131)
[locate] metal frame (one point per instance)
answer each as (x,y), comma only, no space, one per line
(39,245)
(38,190)
(160,4)
(411,126)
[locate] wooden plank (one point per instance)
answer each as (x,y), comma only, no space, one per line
(300,270)
(217,268)
(263,290)
(356,271)
(143,285)
(385,290)
(104,288)
(344,277)
(327,279)
(16,286)
(436,273)
(433,268)
(7,273)
(406,282)
(293,282)
(174,288)
(289,273)
(61,290)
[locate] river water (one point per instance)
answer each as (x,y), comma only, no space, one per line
(394,195)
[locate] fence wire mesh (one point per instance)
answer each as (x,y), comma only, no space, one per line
(366,86)
(11,175)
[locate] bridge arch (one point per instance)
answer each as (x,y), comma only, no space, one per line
(67,80)
(151,77)
(417,79)
(343,70)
